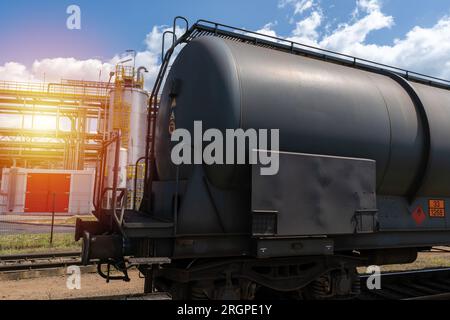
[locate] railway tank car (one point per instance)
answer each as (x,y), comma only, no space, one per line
(364,165)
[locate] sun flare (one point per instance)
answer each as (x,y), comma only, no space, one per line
(44,123)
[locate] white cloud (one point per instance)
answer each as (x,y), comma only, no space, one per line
(268,29)
(300,6)
(13,71)
(267,32)
(55,69)
(347,35)
(369,5)
(71,68)
(425,50)
(306,30)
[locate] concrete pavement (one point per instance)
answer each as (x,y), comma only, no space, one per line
(32,224)
(23,228)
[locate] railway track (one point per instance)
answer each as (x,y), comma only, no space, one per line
(152,296)
(432,284)
(39,261)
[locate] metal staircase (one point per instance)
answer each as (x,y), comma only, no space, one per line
(122,109)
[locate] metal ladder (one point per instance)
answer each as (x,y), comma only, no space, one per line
(154,106)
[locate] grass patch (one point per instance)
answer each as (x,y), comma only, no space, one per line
(32,243)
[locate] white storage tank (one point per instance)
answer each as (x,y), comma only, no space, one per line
(128,113)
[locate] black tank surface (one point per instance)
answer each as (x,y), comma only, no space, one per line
(364,165)
(319,107)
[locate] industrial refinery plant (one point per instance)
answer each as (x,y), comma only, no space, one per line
(53,160)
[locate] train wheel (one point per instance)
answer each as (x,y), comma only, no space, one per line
(209,290)
(335,285)
(178,291)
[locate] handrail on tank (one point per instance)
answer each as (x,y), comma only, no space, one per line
(100,190)
(98,197)
(292,44)
(135,179)
(175,26)
(119,198)
(164,40)
(116,172)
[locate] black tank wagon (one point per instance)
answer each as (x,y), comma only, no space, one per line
(363,176)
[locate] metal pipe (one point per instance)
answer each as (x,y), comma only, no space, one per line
(101,182)
(111,74)
(94,196)
(68,85)
(175,213)
(135,180)
(139,74)
(174,36)
(175,27)
(116,175)
(53,219)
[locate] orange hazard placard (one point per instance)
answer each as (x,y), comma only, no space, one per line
(436,208)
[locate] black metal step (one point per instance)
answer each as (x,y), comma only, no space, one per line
(137,224)
(149,261)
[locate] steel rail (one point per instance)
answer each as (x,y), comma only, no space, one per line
(39,265)
(39,261)
(427,284)
(44,255)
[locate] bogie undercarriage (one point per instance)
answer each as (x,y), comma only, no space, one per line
(248,279)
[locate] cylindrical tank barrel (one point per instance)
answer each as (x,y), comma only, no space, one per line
(128,113)
(319,107)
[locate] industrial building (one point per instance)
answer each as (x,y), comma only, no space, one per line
(56,137)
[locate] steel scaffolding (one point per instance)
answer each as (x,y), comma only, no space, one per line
(76,110)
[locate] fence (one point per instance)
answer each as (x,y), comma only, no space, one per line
(47,220)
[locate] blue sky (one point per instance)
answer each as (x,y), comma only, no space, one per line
(35,30)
